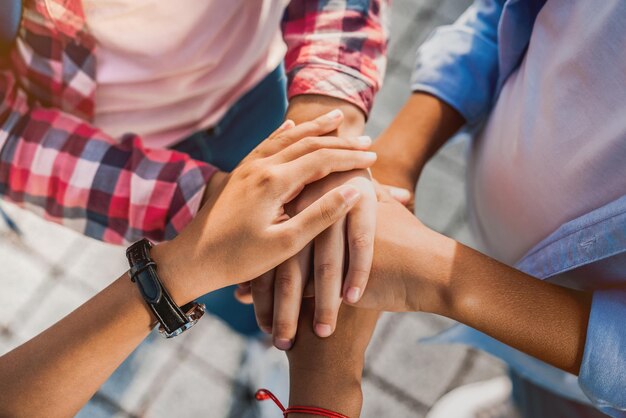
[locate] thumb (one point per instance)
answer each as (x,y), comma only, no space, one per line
(324,212)
(401,195)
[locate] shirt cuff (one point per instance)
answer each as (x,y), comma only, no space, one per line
(459,67)
(333,82)
(603,370)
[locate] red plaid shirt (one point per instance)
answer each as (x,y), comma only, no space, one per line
(55,162)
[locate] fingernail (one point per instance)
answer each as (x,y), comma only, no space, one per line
(323,330)
(365,140)
(333,114)
(353,294)
(266,329)
(350,194)
(282,343)
(287,124)
(400,194)
(371,155)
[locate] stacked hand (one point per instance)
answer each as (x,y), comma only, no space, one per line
(336,264)
(247,230)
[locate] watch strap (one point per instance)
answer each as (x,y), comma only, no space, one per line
(143,271)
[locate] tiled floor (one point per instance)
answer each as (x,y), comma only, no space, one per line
(50,271)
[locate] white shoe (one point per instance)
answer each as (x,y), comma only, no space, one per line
(488,399)
(262,367)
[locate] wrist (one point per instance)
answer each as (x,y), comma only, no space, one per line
(214,186)
(306,107)
(333,391)
(176,270)
(428,284)
(396,162)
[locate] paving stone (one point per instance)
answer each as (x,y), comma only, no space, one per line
(384,328)
(130,383)
(481,366)
(464,235)
(379,403)
(20,276)
(192,375)
(439,196)
(396,89)
(98,264)
(403,15)
(56,302)
(217,344)
(190,392)
(454,155)
(44,239)
(424,371)
(451,9)
(101,408)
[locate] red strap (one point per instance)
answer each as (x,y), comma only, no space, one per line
(264,394)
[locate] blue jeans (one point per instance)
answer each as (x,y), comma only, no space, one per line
(248,122)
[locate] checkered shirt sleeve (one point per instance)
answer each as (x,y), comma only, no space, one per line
(336,48)
(64,169)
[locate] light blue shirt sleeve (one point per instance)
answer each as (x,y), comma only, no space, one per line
(459,62)
(603,370)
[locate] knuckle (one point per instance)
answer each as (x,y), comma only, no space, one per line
(325,154)
(327,213)
(264,323)
(318,123)
(283,328)
(327,271)
(325,315)
(361,241)
(285,285)
(267,176)
(311,143)
(289,238)
(262,287)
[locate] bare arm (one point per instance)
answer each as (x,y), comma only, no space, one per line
(418,131)
(243,234)
(327,372)
(417,269)
(55,373)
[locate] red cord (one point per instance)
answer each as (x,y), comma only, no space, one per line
(264,394)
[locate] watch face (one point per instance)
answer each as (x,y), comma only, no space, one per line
(193,315)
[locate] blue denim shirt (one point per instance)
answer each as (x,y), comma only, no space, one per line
(466,65)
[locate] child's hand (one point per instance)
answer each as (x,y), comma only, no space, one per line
(407,271)
(246,231)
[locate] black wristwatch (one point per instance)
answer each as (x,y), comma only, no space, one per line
(173,320)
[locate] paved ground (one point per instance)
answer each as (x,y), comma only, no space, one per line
(50,271)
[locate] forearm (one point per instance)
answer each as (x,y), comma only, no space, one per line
(419,130)
(546,321)
(307,107)
(327,372)
(60,369)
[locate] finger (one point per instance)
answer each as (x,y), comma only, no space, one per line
(314,143)
(317,127)
(288,286)
(328,260)
(403,196)
(298,231)
(360,231)
(309,289)
(244,295)
(263,296)
(287,124)
(318,164)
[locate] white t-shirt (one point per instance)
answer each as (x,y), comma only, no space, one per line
(168,68)
(554,147)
